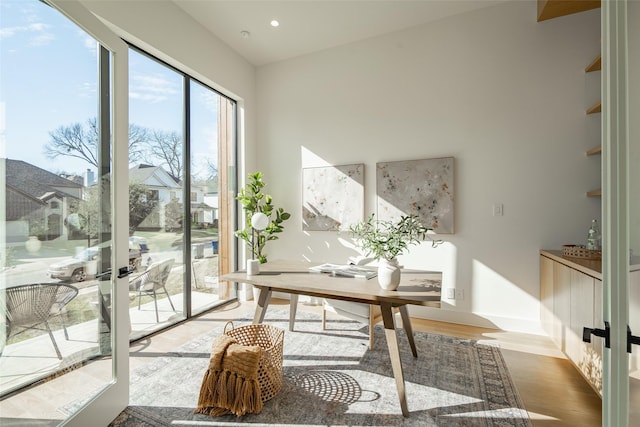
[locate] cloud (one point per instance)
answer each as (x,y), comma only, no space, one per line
(151,88)
(210,100)
(37,31)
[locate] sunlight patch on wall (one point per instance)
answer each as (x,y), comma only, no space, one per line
(493,293)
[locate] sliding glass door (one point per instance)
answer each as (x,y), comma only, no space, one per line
(177,128)
(63,79)
(621,211)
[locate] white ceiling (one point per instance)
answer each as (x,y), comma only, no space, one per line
(308,26)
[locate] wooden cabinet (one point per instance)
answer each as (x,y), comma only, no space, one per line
(571,299)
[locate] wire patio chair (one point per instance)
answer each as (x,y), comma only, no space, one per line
(153,282)
(32,306)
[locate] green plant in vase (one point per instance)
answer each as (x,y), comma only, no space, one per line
(258,231)
(386,240)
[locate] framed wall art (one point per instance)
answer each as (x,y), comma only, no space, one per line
(423,188)
(332,197)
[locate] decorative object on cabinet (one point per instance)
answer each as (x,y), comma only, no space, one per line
(420,188)
(332,197)
(579,251)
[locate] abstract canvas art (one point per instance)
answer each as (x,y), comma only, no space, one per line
(332,197)
(423,188)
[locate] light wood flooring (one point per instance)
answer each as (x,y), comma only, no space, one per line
(553,391)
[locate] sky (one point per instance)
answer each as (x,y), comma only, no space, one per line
(48,79)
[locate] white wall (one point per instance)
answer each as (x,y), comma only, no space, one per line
(505,95)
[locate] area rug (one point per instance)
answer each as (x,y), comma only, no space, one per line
(331,378)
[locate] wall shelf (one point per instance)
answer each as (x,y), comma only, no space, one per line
(594,151)
(549,9)
(595,65)
(595,108)
(594,193)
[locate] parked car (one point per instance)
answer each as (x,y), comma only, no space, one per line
(77,268)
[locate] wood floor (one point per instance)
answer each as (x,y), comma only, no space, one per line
(553,391)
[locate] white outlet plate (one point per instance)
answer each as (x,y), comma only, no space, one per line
(450,293)
(498,209)
(459,294)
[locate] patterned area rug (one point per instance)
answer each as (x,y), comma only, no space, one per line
(332,378)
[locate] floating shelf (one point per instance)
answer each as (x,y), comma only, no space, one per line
(548,9)
(594,193)
(595,108)
(595,65)
(594,151)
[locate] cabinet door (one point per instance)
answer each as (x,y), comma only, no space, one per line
(582,354)
(597,343)
(561,305)
(546,294)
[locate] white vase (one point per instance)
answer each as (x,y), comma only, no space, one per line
(389,274)
(253,267)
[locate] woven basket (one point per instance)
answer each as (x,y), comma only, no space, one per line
(271,341)
(578,251)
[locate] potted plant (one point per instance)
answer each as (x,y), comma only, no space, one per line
(385,240)
(263,221)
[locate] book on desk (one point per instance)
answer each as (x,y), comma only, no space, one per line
(345,270)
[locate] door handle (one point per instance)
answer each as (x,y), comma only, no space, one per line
(124,272)
(603,333)
(106,275)
(631,339)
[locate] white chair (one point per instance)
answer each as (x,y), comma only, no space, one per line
(360,312)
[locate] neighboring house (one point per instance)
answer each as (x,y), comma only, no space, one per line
(163,187)
(39,201)
(204,204)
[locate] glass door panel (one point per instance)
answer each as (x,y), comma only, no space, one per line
(204,206)
(156,213)
(56,216)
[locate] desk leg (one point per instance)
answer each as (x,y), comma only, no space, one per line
(261,306)
(406,325)
(394,354)
(293,307)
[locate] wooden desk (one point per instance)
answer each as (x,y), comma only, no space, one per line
(416,288)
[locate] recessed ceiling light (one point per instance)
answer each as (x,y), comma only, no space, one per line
(245,34)
(275,23)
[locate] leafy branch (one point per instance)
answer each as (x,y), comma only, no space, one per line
(386,239)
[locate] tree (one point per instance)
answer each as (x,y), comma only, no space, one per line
(167,147)
(141,205)
(81,141)
(173,215)
(212,170)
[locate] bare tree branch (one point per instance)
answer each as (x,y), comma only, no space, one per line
(167,147)
(81,142)
(73,141)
